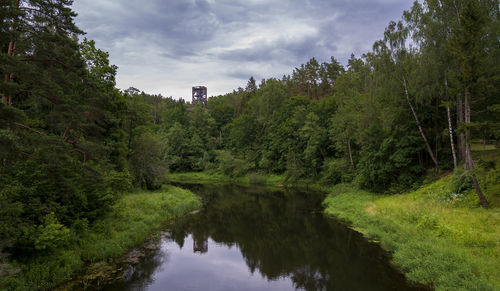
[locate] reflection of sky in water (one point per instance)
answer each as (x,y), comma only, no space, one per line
(221,268)
(275,234)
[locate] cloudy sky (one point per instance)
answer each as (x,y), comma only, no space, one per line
(167,46)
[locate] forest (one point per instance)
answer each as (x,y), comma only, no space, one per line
(413,108)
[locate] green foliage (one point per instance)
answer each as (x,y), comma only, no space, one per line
(389,161)
(377,122)
(71,144)
(148,151)
(119,182)
(256,178)
(294,167)
(45,271)
(315,136)
(230,165)
(51,234)
(242,133)
(335,171)
(222,114)
(130,221)
(97,62)
(461,181)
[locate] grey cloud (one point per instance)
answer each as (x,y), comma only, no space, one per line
(243,74)
(282,51)
(175,35)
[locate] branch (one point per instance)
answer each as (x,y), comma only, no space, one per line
(28,128)
(30,9)
(60,62)
(47,60)
(82,152)
(51,99)
(66,131)
(26,154)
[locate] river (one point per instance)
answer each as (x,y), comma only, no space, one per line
(253,238)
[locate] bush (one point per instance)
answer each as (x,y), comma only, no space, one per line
(256,178)
(119,182)
(493,183)
(231,166)
(336,171)
(51,234)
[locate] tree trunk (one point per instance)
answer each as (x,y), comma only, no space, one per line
(350,153)
(452,142)
(450,127)
(429,149)
(10,52)
(480,194)
(460,121)
(436,146)
(469,163)
(130,135)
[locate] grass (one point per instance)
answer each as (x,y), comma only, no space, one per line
(131,221)
(439,238)
(200,178)
(478,146)
(249,179)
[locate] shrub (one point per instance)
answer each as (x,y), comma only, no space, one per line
(336,171)
(256,178)
(231,166)
(51,234)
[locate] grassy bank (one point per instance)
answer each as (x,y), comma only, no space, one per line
(441,239)
(131,221)
(249,179)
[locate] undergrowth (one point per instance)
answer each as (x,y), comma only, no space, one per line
(131,221)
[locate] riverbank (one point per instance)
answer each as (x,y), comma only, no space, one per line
(439,238)
(219,178)
(249,179)
(131,221)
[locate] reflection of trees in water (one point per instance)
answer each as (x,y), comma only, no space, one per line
(308,279)
(139,276)
(279,236)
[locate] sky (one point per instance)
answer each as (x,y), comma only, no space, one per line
(168,46)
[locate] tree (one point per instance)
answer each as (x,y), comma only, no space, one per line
(147,157)
(251,86)
(430,26)
(399,60)
(467,46)
(313,135)
(97,63)
(176,144)
(328,74)
(38,34)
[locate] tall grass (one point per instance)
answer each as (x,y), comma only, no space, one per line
(131,221)
(438,238)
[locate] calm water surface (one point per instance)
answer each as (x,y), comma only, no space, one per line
(248,238)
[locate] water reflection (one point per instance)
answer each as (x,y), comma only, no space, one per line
(258,239)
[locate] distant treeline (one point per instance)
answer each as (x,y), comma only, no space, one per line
(412,105)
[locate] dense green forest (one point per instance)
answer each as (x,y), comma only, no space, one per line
(71,143)
(412,106)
